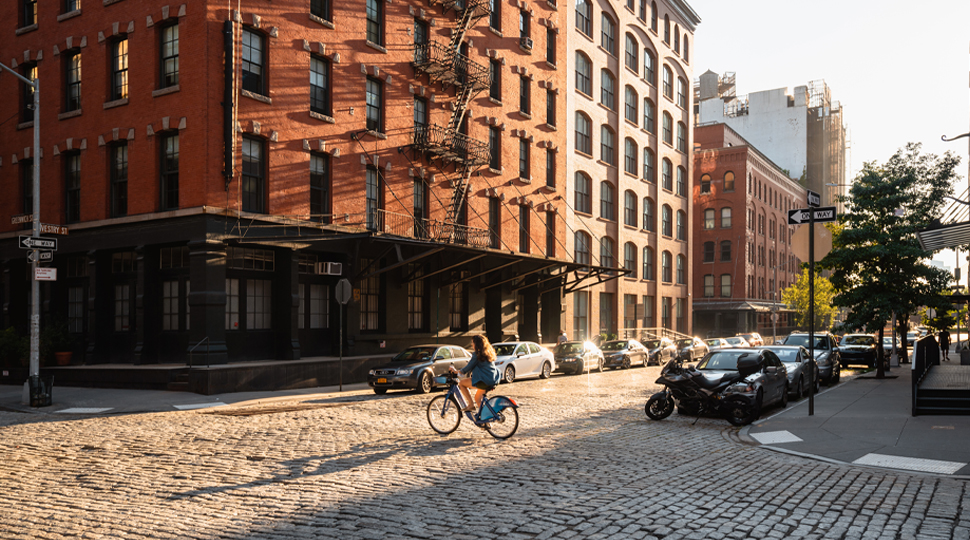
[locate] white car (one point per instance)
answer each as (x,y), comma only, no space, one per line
(523,359)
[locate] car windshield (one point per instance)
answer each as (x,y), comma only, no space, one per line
(414,354)
(726,360)
(614,346)
(504,349)
(569,348)
(714,342)
(684,343)
(786,355)
(820,342)
(652,343)
(859,340)
(735,340)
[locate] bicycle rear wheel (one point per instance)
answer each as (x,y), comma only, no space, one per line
(444,414)
(504,424)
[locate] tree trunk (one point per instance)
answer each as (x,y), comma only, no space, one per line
(880,355)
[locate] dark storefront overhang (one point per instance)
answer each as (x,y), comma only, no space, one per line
(939,237)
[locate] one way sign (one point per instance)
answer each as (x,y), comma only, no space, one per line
(798,216)
(38,242)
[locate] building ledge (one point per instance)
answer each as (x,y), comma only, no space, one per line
(375,46)
(25,125)
(323,117)
(26,29)
(68,15)
(257,97)
(321,21)
(165,91)
(115,103)
(69,114)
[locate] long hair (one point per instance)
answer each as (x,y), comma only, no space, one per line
(483,348)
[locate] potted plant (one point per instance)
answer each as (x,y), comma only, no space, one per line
(56,342)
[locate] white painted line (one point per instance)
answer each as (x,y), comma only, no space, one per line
(775,437)
(84,410)
(910,464)
(199,405)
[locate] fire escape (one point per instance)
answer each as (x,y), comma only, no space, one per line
(445,64)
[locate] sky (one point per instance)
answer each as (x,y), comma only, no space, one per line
(900,70)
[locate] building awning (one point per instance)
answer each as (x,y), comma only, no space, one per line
(759,307)
(939,237)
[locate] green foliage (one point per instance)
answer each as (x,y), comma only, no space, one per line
(876,261)
(55,338)
(797,295)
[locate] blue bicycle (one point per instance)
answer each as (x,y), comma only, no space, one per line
(498,415)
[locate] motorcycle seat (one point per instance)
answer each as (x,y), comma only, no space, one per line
(723,380)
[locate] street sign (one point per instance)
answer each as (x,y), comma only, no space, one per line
(47,228)
(31,242)
(41,256)
(797,216)
(814,199)
(45,274)
(21,218)
(342,291)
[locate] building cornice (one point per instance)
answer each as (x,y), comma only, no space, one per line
(686,13)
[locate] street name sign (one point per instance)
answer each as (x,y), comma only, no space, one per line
(21,218)
(41,256)
(814,199)
(31,242)
(797,216)
(47,228)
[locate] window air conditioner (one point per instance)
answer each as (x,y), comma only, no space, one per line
(329,269)
(526,43)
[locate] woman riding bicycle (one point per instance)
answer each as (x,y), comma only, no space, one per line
(484,374)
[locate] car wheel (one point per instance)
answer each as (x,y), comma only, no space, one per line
(800,390)
(601,365)
(836,375)
(626,363)
(380,391)
(425,384)
(784,396)
(546,371)
(509,375)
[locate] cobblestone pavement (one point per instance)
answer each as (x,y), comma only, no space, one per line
(585,463)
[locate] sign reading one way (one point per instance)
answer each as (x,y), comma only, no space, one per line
(797,216)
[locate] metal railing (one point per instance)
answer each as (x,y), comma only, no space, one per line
(408,226)
(451,146)
(450,67)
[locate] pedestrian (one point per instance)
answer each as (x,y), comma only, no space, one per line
(945,344)
(562,338)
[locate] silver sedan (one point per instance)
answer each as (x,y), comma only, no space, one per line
(800,370)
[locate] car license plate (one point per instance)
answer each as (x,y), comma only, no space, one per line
(381,381)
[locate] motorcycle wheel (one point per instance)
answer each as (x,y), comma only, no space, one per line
(739,411)
(659,407)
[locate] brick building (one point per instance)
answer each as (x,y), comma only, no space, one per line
(411,148)
(742,240)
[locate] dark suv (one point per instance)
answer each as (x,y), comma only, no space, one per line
(827,354)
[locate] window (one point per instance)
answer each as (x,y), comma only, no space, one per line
(681,93)
(253,175)
(584,74)
(630,208)
(580,315)
(725,251)
(550,234)
(649,165)
(495,71)
(607,201)
(525,97)
(122,308)
(709,221)
(320,85)
(667,221)
(321,8)
(709,286)
(643,11)
(681,225)
(259,304)
(551,46)
(726,217)
(630,156)
(374,201)
(28,71)
(119,179)
(253,62)
(681,137)
(666,29)
(375,21)
(582,241)
(525,159)
(495,14)
(607,146)
(729,181)
(170,56)
(608,36)
(668,83)
(375,105)
(681,181)
(320,187)
(525,24)
(686,56)
(170,305)
(649,116)
(524,228)
(666,272)
(417,299)
(550,167)
(169,170)
(630,4)
(494,149)
(632,102)
(630,308)
(668,128)
(648,264)
(630,259)
(725,285)
(458,315)
(583,201)
(551,107)
(632,53)
(705,183)
(584,128)
(317,297)
(232,304)
(607,250)
(677,38)
(708,252)
(76,306)
(72,89)
(494,222)
(28,13)
(653,16)
(650,66)
(649,215)
(72,186)
(667,174)
(584,17)
(420,118)
(607,90)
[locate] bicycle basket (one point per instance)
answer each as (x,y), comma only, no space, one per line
(441,380)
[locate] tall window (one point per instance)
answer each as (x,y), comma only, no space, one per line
(524,228)
(649,116)
(171,301)
(607,145)
(550,234)
(584,128)
(729,181)
(681,92)
(709,286)
(550,167)
(525,96)
(630,208)
(607,201)
(253,175)
(631,103)
(420,208)
(726,217)
(525,24)
(705,183)
(608,90)
(607,252)
(28,13)
(649,165)
(584,74)
(320,85)
(667,173)
(668,128)
(630,259)
(73,79)
(122,307)
(725,285)
(525,159)
(551,46)
(76,306)
(681,181)
(648,264)
(420,117)
(321,8)
(726,251)
(320,187)
(632,53)
(708,252)
(582,241)
(375,105)
(677,38)
(581,315)
(259,304)
(551,107)
(494,149)
(667,29)
(373,200)
(72,185)
(681,137)
(653,16)
(494,222)
(317,298)
(666,270)
(495,14)
(681,225)
(650,66)
(608,37)
(170,55)
(686,55)
(458,315)
(666,221)
(668,83)
(119,180)
(643,11)
(416,299)
(630,156)
(584,17)
(169,170)
(583,190)
(709,223)
(375,21)
(253,62)
(29,71)
(649,215)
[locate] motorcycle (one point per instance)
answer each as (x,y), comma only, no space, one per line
(694,394)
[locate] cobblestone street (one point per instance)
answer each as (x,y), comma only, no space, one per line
(585,463)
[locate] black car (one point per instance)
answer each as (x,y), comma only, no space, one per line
(691,349)
(416,368)
(623,353)
(578,356)
(858,349)
(660,351)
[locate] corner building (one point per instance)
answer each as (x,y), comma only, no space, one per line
(629,167)
(220,171)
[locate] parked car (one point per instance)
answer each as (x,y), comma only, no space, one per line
(858,349)
(887,343)
(660,351)
(826,354)
(691,349)
(578,356)
(714,344)
(768,385)
(416,368)
(801,368)
(911,338)
(737,341)
(523,359)
(623,353)
(753,338)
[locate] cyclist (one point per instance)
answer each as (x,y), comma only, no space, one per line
(484,374)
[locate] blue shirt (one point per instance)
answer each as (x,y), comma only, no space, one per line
(482,371)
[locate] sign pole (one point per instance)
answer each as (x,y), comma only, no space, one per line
(340,366)
(34,284)
(811,308)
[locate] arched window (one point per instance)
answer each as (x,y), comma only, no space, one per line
(681,225)
(584,134)
(608,37)
(650,66)
(726,251)
(681,181)
(649,116)
(630,156)
(686,49)
(729,181)
(607,145)
(668,129)
(630,208)
(709,222)
(677,38)
(667,172)
(681,92)
(668,82)
(666,29)
(630,259)
(648,263)
(649,165)
(583,200)
(725,285)
(653,16)
(666,221)
(607,252)
(681,137)
(666,275)
(726,217)
(582,241)
(708,252)
(584,17)
(632,102)
(607,201)
(607,89)
(649,215)
(584,74)
(705,183)
(681,270)
(643,10)
(632,53)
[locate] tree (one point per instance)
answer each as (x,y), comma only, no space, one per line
(877,264)
(797,295)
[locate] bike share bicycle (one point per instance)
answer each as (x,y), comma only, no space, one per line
(498,415)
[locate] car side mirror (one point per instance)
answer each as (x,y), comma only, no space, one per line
(436,358)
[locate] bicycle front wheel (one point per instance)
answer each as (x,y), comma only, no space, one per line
(504,424)
(444,414)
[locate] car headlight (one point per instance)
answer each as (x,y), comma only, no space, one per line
(404,371)
(823,359)
(372,372)
(740,388)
